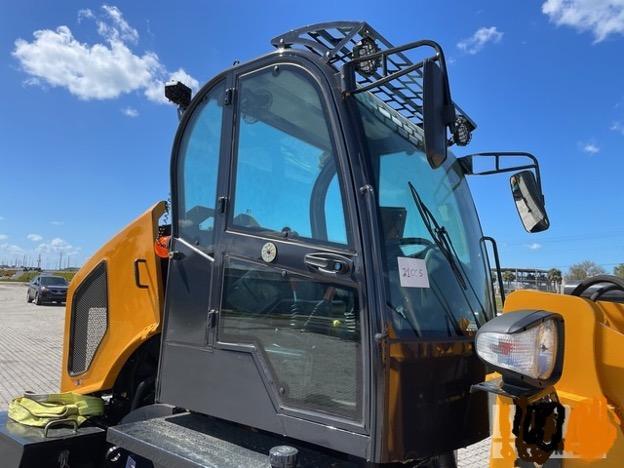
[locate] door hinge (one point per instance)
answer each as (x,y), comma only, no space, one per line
(211,318)
(364,189)
(221,204)
(229,95)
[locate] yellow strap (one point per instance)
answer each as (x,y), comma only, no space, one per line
(38,410)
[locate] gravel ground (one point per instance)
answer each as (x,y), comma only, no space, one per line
(31,339)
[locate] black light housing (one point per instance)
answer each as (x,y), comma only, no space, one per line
(178,93)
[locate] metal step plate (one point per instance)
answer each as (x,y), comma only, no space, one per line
(183,440)
(192,440)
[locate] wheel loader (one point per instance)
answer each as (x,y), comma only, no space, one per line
(318,291)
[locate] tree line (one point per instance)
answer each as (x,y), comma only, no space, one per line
(577,272)
(587,268)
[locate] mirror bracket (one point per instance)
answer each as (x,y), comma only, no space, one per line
(467,164)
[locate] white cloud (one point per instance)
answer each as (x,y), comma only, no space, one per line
(103,70)
(57,223)
(57,245)
(130,111)
(33,82)
(534,246)
(602,17)
(616,127)
(88,72)
(3,237)
(120,27)
(46,251)
(34,237)
(479,39)
(590,148)
(11,249)
(85,13)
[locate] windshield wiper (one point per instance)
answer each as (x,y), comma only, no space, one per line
(441,238)
(438,234)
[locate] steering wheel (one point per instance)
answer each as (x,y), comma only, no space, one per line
(613,283)
(417,241)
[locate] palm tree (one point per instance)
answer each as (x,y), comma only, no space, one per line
(554,278)
(508,277)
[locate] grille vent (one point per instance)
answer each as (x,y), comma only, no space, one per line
(89,319)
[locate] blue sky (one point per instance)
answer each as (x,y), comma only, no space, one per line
(85,141)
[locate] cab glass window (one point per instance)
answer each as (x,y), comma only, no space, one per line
(285,176)
(309,332)
(198,164)
(437,272)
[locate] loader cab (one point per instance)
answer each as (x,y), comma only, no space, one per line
(328,271)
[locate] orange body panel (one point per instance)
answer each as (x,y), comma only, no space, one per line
(591,386)
(134,314)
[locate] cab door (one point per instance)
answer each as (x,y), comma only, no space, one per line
(265,323)
(200,149)
(288,260)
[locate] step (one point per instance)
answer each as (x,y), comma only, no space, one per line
(190,440)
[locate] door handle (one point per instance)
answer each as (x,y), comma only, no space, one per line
(328,263)
(137,273)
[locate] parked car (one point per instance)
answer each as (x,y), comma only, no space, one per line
(47,288)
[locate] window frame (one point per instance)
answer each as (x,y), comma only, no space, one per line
(326,104)
(174,167)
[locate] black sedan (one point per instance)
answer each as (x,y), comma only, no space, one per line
(47,288)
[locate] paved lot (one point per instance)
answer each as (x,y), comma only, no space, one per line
(30,344)
(31,339)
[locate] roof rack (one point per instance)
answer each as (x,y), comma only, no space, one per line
(396,81)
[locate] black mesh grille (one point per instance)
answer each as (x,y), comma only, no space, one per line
(89,319)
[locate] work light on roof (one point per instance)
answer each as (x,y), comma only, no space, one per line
(463,131)
(367,46)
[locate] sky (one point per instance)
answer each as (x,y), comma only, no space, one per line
(85,134)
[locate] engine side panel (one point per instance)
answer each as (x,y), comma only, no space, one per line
(109,315)
(590,388)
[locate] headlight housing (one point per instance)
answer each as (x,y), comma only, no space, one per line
(526,347)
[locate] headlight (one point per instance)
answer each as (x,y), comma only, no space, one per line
(531,352)
(526,347)
(43,288)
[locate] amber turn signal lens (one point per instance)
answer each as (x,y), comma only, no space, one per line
(161,246)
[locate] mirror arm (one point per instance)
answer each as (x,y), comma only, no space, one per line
(467,165)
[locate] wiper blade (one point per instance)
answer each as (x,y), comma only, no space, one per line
(442,239)
(438,234)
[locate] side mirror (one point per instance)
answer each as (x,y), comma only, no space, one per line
(529,201)
(434,113)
